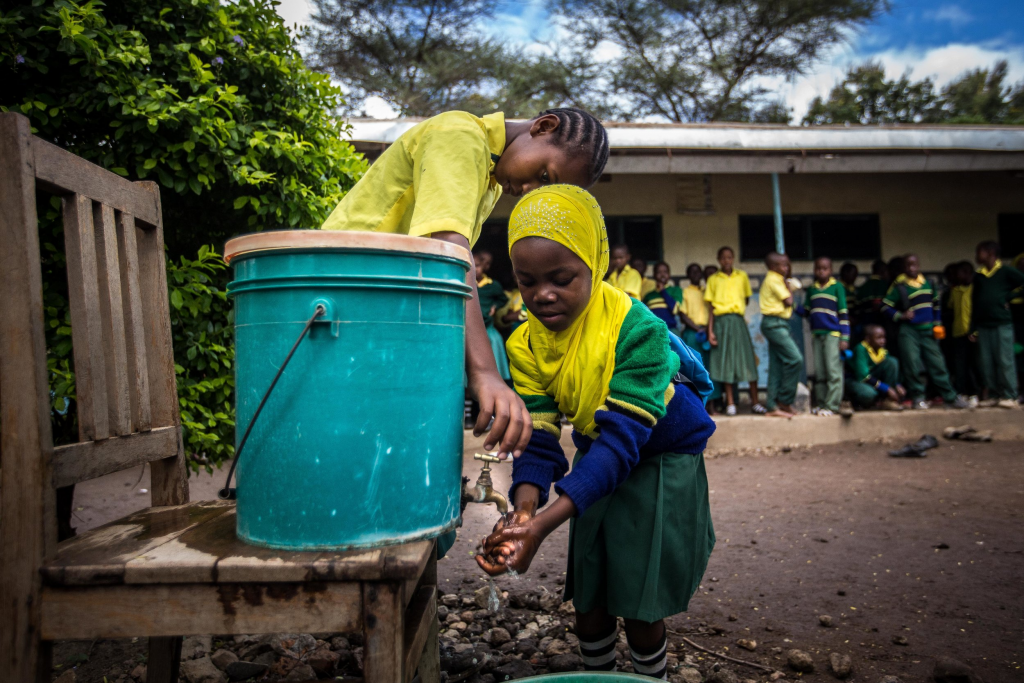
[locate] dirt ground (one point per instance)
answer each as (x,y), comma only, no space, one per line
(912,559)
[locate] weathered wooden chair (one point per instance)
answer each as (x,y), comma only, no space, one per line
(176,568)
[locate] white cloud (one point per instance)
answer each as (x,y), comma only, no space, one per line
(954,14)
(941,64)
(295,11)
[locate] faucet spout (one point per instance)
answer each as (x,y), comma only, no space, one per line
(483,492)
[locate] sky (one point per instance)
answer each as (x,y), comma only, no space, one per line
(932,38)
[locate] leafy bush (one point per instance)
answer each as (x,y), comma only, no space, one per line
(211,100)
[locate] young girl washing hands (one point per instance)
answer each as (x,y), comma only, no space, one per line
(637,496)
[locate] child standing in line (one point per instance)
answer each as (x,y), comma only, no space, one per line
(992,326)
(693,313)
(664,298)
(1017,315)
(623,275)
(709,271)
(875,373)
(637,495)
(871,293)
(732,353)
(441,179)
(959,303)
(784,359)
(492,297)
(911,304)
(647,284)
(830,331)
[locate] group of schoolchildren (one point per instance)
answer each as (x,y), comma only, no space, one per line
(882,344)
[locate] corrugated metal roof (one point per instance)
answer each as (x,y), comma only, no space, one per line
(758,137)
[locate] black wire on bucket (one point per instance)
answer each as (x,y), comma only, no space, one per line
(228,493)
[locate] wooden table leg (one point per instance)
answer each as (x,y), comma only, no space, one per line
(430,662)
(164,660)
(383,632)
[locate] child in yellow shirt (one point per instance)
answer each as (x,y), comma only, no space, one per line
(732,352)
(621,274)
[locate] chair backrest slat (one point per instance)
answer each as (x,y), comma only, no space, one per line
(86,321)
(108,269)
(135,328)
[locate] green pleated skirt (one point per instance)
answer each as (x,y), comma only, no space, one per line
(641,551)
(733,359)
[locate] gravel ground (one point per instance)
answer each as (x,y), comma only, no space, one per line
(910,561)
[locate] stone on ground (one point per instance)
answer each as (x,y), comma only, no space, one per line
(949,670)
(567,662)
(514,669)
(841,665)
(686,675)
(799,660)
(723,676)
(243,671)
(302,672)
(202,670)
(221,658)
(323,661)
(66,677)
(194,647)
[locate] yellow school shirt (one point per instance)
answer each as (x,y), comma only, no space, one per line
(437,177)
(728,293)
(773,292)
(693,305)
(960,302)
(629,281)
(647,286)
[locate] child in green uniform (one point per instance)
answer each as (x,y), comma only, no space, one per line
(911,304)
(441,179)
(641,531)
(664,299)
(830,330)
(623,275)
(784,359)
(492,297)
(992,326)
(875,375)
(871,293)
(732,352)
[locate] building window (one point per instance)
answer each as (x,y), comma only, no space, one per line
(838,236)
(1011,234)
(642,234)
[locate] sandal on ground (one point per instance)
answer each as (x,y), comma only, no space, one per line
(759,409)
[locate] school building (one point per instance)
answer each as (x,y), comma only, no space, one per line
(680,191)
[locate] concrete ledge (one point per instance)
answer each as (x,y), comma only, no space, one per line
(755,431)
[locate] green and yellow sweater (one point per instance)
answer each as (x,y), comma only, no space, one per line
(644,416)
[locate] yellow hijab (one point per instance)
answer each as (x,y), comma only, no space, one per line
(573,366)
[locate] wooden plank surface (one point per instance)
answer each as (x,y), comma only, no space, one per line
(99,555)
(191,609)
(422,611)
(90,459)
(168,478)
(383,632)
(135,331)
(108,272)
(28,527)
(86,323)
(62,172)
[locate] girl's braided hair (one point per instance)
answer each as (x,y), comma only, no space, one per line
(581,134)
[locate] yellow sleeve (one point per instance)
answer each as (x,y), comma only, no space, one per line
(747,291)
(450,176)
(633,283)
(709,291)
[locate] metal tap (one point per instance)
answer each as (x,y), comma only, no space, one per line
(484,491)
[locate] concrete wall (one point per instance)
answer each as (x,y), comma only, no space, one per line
(941,216)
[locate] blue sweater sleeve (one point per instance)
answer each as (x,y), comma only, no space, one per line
(542,463)
(614,453)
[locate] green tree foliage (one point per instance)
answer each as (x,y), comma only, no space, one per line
(212,100)
(703,60)
(866,96)
(424,57)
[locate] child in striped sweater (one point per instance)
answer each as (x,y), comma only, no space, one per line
(830,330)
(637,495)
(911,304)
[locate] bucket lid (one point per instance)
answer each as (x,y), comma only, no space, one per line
(341,239)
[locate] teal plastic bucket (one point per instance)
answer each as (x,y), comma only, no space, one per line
(360,443)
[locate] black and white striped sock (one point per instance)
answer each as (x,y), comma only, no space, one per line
(599,655)
(653,662)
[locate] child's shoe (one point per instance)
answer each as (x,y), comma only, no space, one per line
(921,405)
(1008,403)
(960,403)
(988,403)
(846,409)
(823,412)
(730,409)
(889,404)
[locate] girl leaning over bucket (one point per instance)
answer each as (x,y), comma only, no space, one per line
(441,179)
(641,532)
